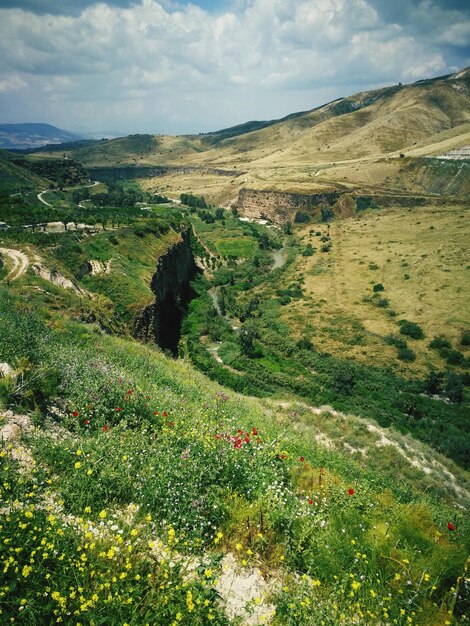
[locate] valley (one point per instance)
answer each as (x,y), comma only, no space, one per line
(234,376)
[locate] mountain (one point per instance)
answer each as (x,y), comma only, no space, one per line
(25,136)
(365,141)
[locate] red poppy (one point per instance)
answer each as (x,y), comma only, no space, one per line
(351,492)
(155,412)
(450,526)
(247,439)
(254,431)
(283,456)
(302,459)
(258,440)
(118,408)
(87,422)
(130,391)
(240,432)
(147,397)
(105,428)
(238,443)
(310,501)
(171,424)
(165,413)
(75,413)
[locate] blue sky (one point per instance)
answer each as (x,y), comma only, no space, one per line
(163,66)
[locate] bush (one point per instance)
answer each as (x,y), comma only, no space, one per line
(378,287)
(411,329)
(383,303)
(308,250)
(454,388)
(453,357)
(439,342)
(406,354)
(465,339)
(395,340)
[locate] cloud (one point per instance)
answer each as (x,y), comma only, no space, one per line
(161,66)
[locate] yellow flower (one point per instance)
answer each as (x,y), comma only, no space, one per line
(102,514)
(77,465)
(238,546)
(89,472)
(87,509)
(78,452)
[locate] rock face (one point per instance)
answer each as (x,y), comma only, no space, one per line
(280,206)
(161,320)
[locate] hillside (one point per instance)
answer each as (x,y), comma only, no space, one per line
(354,141)
(248,415)
(135,486)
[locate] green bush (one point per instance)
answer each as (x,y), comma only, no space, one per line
(411,329)
(439,342)
(465,338)
(406,354)
(378,287)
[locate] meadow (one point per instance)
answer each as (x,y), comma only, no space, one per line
(142,477)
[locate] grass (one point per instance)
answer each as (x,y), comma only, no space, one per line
(147,474)
(341,282)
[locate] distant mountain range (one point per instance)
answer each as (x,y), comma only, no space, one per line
(24,136)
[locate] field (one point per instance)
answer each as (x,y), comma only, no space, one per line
(417,254)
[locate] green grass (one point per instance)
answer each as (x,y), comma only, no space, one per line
(235,247)
(152,453)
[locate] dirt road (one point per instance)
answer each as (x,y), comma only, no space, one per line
(20,263)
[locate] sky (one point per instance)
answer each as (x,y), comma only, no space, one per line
(167,66)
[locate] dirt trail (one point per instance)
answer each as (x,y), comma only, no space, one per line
(20,261)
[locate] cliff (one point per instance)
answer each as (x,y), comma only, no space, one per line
(280,206)
(161,320)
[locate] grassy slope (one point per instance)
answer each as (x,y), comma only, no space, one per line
(398,530)
(427,243)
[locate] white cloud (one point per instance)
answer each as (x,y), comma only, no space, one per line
(157,66)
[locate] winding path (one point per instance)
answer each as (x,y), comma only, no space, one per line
(41,199)
(20,263)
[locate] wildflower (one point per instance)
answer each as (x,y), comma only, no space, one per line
(75,413)
(87,422)
(310,501)
(450,526)
(105,428)
(302,459)
(118,408)
(89,472)
(165,414)
(77,465)
(102,514)
(351,492)
(254,431)
(130,391)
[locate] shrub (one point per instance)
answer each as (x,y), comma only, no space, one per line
(453,357)
(439,342)
(395,340)
(378,287)
(308,250)
(454,388)
(383,303)
(465,339)
(406,354)
(411,329)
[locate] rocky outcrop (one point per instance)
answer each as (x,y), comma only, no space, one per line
(280,206)
(161,320)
